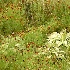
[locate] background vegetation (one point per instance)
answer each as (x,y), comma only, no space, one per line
(34,35)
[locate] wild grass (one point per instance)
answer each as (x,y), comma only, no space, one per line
(31,36)
(33,13)
(29,53)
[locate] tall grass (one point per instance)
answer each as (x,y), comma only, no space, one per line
(25,14)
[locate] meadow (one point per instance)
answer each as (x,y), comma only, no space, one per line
(34,35)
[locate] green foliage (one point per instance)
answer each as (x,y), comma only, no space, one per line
(32,35)
(34,13)
(14,53)
(10,22)
(9,28)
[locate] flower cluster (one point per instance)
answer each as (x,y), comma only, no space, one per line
(59,43)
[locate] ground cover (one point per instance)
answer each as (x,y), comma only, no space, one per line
(34,35)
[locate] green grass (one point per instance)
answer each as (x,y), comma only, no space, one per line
(28,53)
(17,16)
(33,35)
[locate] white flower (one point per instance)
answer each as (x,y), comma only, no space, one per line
(61,56)
(53,35)
(58,43)
(49,56)
(65,43)
(55,53)
(57,49)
